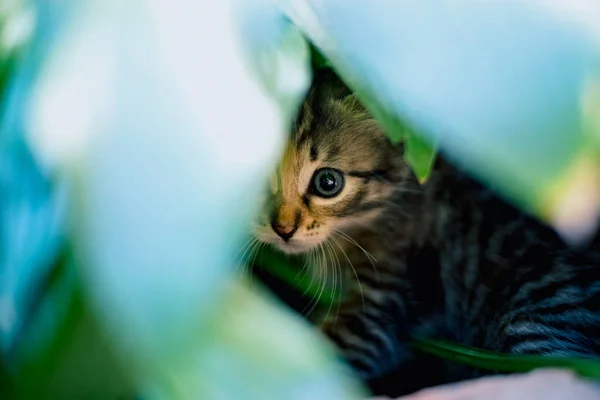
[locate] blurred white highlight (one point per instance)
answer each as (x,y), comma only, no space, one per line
(18,23)
(75,93)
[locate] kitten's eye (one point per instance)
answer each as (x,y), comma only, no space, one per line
(327,182)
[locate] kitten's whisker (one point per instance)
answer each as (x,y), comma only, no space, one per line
(355,275)
(334,295)
(256,245)
(241,260)
(337,267)
(408,191)
(310,306)
(313,259)
(385,204)
(321,283)
(248,240)
(240,253)
(253,258)
(324,270)
(338,301)
(327,246)
(341,277)
(369,256)
(367,225)
(347,237)
(305,267)
(402,208)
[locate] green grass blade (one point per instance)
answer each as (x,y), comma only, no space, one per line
(288,270)
(478,358)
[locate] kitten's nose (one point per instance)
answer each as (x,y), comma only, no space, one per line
(284,231)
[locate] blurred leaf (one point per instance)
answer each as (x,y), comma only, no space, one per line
(61,335)
(175,334)
(82,360)
(591,108)
(6,67)
(420,155)
(252,348)
(571,202)
(31,205)
(31,234)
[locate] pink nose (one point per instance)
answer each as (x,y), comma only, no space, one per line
(284,231)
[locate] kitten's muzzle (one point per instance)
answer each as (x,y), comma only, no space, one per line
(284,231)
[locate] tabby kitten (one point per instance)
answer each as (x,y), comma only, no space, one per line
(453,261)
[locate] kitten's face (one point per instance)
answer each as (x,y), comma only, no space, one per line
(338,172)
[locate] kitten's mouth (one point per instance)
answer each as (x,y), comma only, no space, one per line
(292,247)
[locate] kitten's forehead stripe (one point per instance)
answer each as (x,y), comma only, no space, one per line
(304,125)
(314,152)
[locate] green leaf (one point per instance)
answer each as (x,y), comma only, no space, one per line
(495,361)
(288,269)
(420,155)
(266,351)
(318,60)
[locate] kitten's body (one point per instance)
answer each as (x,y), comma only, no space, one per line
(465,266)
(453,261)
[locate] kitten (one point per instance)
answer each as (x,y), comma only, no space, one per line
(453,261)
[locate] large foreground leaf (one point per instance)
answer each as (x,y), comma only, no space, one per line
(131,110)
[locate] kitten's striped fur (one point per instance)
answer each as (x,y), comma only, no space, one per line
(453,261)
